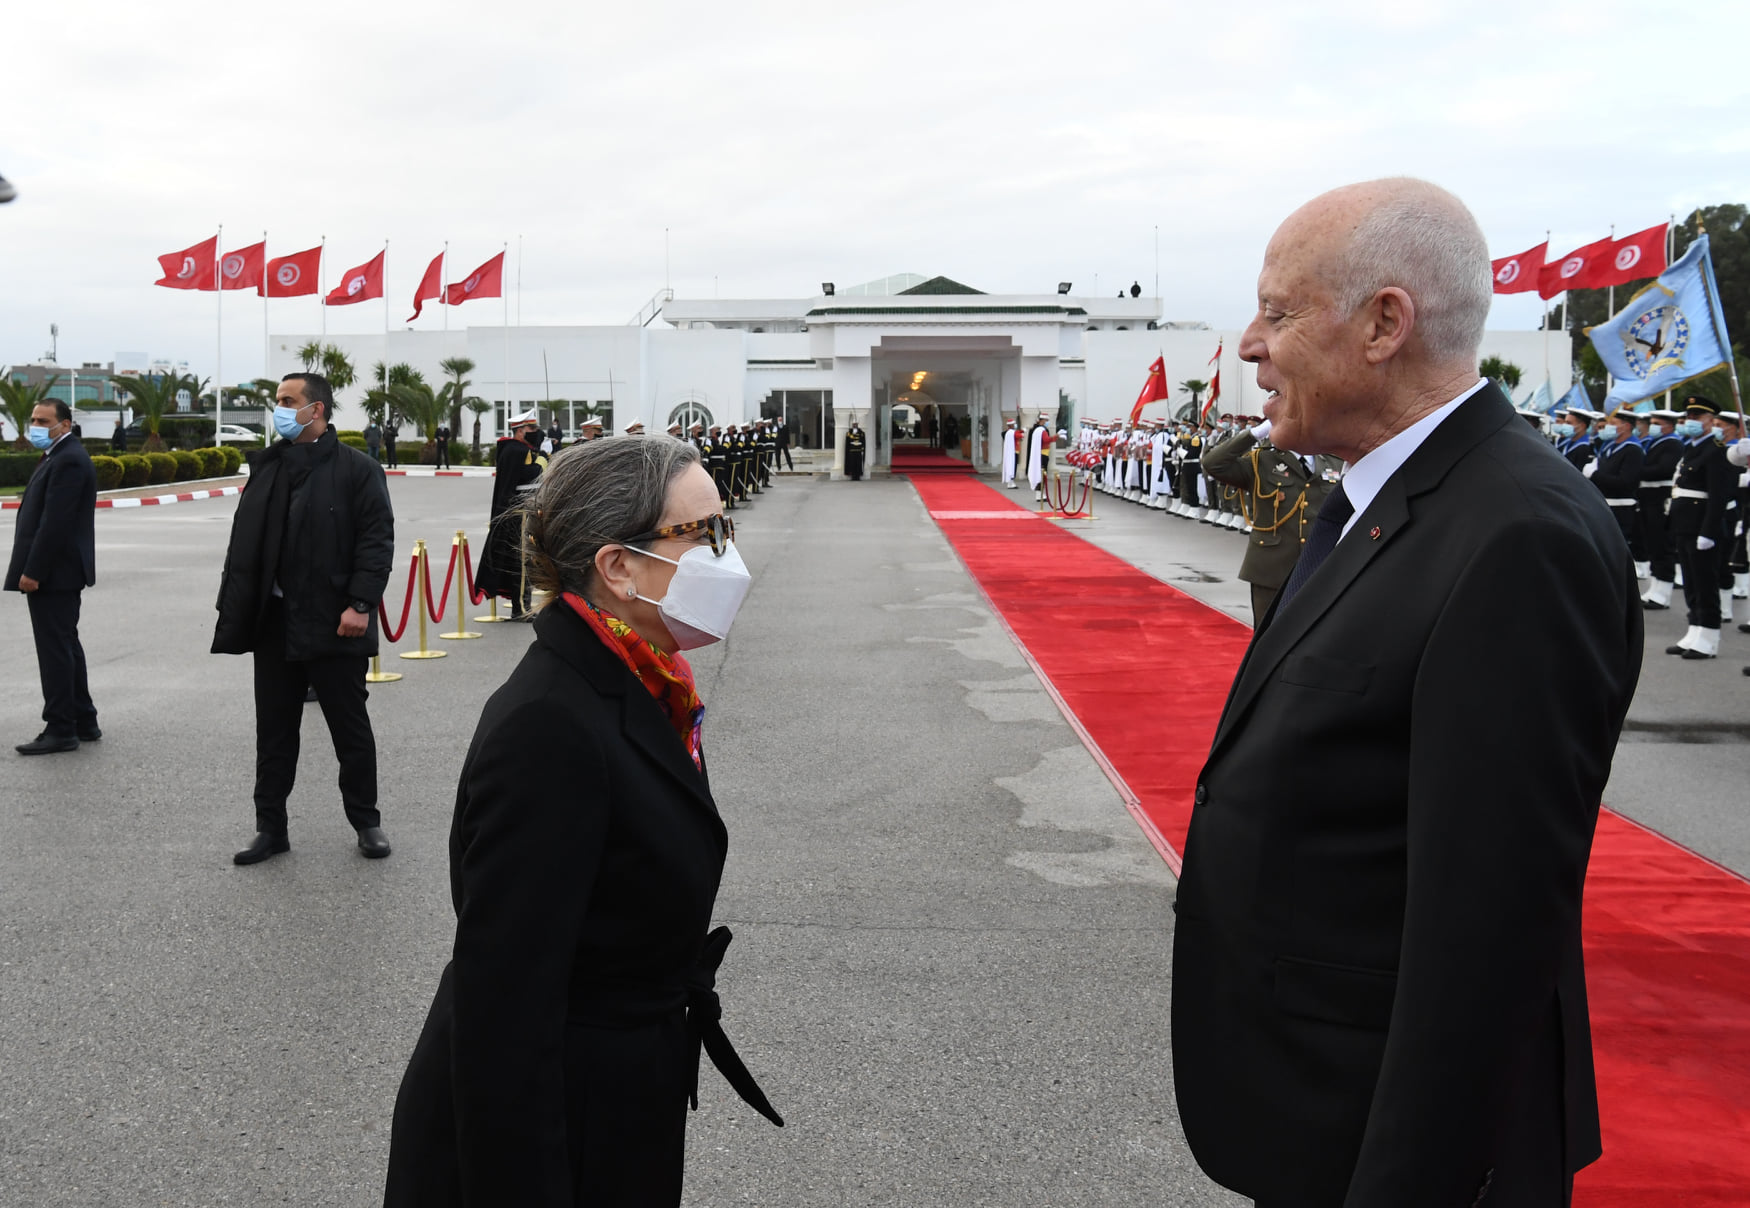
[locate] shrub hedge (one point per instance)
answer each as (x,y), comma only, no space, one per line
(109,472)
(135,471)
(233,458)
(160,468)
(188,466)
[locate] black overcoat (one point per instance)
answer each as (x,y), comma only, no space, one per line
(54,540)
(555,1063)
(1379,996)
(351,542)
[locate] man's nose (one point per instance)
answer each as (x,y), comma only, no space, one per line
(1252,343)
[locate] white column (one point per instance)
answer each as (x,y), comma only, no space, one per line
(852,398)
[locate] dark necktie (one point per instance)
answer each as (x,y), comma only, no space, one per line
(1320,541)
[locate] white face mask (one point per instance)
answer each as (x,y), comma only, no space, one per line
(704,595)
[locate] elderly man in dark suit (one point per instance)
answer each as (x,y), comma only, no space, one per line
(54,559)
(1379,996)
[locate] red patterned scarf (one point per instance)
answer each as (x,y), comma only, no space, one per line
(665,676)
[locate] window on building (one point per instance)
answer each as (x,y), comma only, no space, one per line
(689,413)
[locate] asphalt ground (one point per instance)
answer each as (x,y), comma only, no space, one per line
(952,948)
(1683,765)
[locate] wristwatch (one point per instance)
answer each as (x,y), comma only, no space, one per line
(362,607)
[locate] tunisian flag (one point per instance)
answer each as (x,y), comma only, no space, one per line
(487,281)
(359,284)
(429,285)
(291,276)
(191,268)
(1577,270)
(1153,390)
(241,269)
(1633,257)
(1517,274)
(1214,383)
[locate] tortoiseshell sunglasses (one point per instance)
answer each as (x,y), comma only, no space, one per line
(720,527)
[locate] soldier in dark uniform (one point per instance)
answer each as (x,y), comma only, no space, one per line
(1616,472)
(1190,450)
(1737,521)
(855,442)
(768,451)
(1705,484)
(716,455)
(518,464)
(1281,493)
(1656,557)
(1574,430)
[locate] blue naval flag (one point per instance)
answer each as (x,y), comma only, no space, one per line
(1670,332)
(1575,397)
(1539,399)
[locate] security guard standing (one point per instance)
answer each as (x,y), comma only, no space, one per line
(1657,557)
(1616,471)
(1705,484)
(1281,493)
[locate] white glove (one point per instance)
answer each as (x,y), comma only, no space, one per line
(1704,543)
(1262,431)
(1739,454)
(1591,469)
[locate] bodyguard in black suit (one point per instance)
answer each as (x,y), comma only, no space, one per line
(54,559)
(563,1044)
(1379,998)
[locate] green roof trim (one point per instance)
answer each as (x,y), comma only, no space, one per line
(940,285)
(829,311)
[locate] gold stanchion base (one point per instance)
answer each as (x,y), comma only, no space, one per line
(488,621)
(459,635)
(424,654)
(382,677)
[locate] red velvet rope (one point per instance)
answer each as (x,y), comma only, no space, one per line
(437,614)
(394,635)
(474,596)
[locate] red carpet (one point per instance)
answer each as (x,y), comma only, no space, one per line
(921,459)
(1667,931)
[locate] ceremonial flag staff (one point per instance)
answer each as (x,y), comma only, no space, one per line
(519,280)
(321,288)
(219,331)
(1544,324)
(1670,255)
(444,287)
(506,299)
(385,318)
(266,335)
(1610,309)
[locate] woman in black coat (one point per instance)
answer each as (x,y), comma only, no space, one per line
(563,1045)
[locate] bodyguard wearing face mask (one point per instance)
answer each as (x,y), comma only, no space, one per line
(1699,498)
(54,560)
(309,557)
(562,1046)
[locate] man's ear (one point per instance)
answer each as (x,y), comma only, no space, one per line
(1390,318)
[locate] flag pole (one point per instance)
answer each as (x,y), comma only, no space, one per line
(266,330)
(219,332)
(385,318)
(1670,250)
(321,295)
(506,299)
(519,280)
(444,291)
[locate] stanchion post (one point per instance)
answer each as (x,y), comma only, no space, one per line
(456,544)
(376,675)
(492,617)
(421,569)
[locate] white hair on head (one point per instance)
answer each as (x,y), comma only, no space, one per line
(1423,240)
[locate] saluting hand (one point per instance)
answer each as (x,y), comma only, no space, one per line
(352,624)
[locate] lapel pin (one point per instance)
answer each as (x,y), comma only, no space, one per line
(1375,533)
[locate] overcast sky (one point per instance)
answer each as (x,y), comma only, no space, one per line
(1008,146)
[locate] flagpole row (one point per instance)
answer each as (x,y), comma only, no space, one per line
(218,331)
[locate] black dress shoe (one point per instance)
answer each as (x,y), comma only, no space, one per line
(48,744)
(1697,654)
(263,847)
(91,735)
(373,842)
(1744,626)
(1676,649)
(1653,605)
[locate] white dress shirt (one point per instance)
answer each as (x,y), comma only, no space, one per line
(1363,481)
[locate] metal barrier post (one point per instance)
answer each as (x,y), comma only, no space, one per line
(376,675)
(423,585)
(456,545)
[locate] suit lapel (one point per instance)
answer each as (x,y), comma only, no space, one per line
(642,722)
(1375,529)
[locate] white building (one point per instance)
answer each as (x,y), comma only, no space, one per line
(924,346)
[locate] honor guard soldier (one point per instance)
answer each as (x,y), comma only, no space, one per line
(855,446)
(1574,430)
(768,443)
(517,464)
(1616,471)
(1705,484)
(717,462)
(1655,556)
(1189,451)
(1281,492)
(1738,520)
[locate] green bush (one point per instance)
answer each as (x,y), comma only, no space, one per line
(135,471)
(409,451)
(160,467)
(212,461)
(233,458)
(109,472)
(16,468)
(353,440)
(188,465)
(186,431)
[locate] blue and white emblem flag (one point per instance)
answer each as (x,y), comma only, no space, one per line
(1670,332)
(1539,399)
(1575,397)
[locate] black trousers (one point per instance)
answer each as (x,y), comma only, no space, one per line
(1656,534)
(443,454)
(389,458)
(280,685)
(60,661)
(1701,580)
(789,462)
(1188,476)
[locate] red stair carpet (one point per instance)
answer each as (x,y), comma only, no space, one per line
(922,459)
(1667,931)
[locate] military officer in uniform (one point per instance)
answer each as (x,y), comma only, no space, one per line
(717,462)
(1655,556)
(1616,470)
(855,443)
(1281,492)
(1737,561)
(1574,428)
(1705,484)
(518,464)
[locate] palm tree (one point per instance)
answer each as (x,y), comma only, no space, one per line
(311,355)
(458,369)
(1503,371)
(149,399)
(479,407)
(20,399)
(1195,388)
(424,406)
(337,368)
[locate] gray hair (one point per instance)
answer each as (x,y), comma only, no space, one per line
(599,492)
(1423,240)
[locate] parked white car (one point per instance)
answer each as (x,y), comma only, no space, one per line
(235,432)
